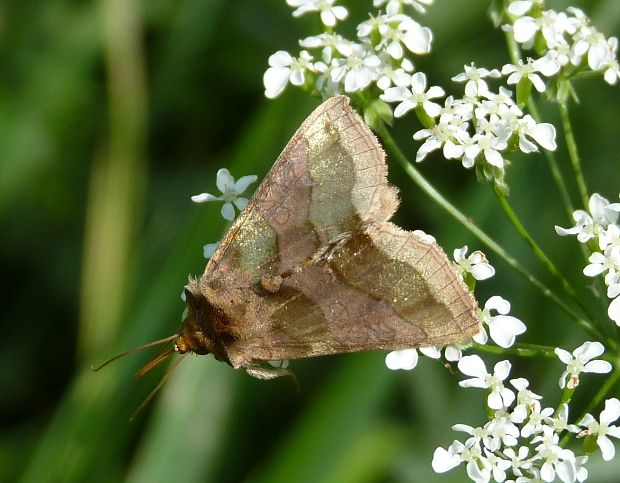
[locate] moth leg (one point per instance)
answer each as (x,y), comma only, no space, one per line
(260,372)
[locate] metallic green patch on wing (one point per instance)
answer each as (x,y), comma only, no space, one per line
(256,243)
(332,171)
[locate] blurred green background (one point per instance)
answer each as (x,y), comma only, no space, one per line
(112,114)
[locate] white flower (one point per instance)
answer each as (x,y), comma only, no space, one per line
(526,400)
(499,396)
(478,467)
(416,96)
(518,460)
(358,70)
(476,85)
(390,75)
(591,42)
(580,361)
(556,460)
(284,68)
(500,430)
(612,71)
(330,14)
(536,421)
(603,428)
(330,43)
(503,328)
(543,133)
(560,423)
(436,137)
(603,262)
(517,72)
(230,193)
(590,225)
(476,264)
(407,359)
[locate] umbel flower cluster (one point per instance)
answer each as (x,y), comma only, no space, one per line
(478,128)
(523,439)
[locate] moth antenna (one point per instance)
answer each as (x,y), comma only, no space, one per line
(131,351)
(159,385)
(155,361)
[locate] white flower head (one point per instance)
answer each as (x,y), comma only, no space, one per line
(601,214)
(474,78)
(284,68)
(231,190)
(357,70)
(503,328)
(603,428)
(499,396)
(476,264)
(528,70)
(330,13)
(417,95)
(581,361)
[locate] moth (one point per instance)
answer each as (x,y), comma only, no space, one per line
(313,266)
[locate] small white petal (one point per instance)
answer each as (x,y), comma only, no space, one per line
(228,212)
(614,310)
(611,411)
(209,249)
(495,401)
(504,329)
(444,461)
(275,80)
(502,369)
(242,183)
(224,180)
(204,197)
(607,447)
(472,366)
(544,134)
(589,350)
(241,203)
(405,359)
(498,303)
(482,271)
(563,355)
(597,367)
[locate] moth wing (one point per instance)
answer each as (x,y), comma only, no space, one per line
(380,288)
(330,178)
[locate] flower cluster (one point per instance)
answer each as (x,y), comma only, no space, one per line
(599,228)
(503,328)
(331,64)
(567,42)
(518,423)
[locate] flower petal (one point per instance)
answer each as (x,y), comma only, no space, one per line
(228,212)
(444,461)
(204,197)
(224,180)
(405,359)
(473,366)
(597,367)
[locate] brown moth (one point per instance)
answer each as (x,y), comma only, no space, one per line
(312,266)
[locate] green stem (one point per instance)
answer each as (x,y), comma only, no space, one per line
(519,350)
(514,219)
(515,54)
(596,400)
(573,154)
(430,190)
(554,167)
